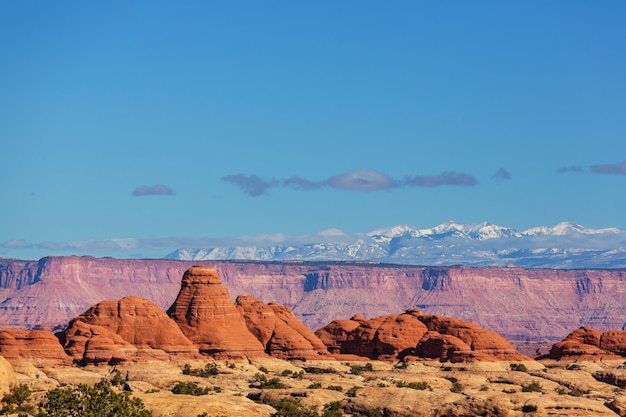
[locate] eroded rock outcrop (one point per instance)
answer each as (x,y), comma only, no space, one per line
(34,345)
(590,344)
(282,334)
(413,335)
(130,328)
(207,316)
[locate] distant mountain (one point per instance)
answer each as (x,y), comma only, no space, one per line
(565,246)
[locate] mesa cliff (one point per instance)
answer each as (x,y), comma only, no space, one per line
(517,303)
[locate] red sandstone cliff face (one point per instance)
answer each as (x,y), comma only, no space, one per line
(207,316)
(517,303)
(130,328)
(279,331)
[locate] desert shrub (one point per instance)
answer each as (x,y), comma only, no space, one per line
(264,369)
(358,369)
(414,385)
(509,391)
(210,369)
(520,367)
(315,385)
(456,387)
(315,370)
(332,409)
(335,388)
(288,407)
(298,375)
(16,401)
(532,387)
(286,372)
(352,391)
(273,383)
(84,400)
(189,388)
(484,388)
(118,379)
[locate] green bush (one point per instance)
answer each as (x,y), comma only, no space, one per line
(16,401)
(520,367)
(532,387)
(335,388)
(352,391)
(210,369)
(414,385)
(86,401)
(189,388)
(315,385)
(456,387)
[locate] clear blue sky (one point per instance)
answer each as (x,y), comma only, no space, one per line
(129,129)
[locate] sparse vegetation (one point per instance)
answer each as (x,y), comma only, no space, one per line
(414,385)
(315,385)
(456,387)
(532,387)
(358,369)
(17,400)
(210,369)
(519,367)
(189,388)
(484,388)
(352,391)
(335,388)
(84,400)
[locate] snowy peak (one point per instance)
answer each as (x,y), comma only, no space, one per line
(565,245)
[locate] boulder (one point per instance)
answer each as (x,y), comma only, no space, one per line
(206,314)
(282,334)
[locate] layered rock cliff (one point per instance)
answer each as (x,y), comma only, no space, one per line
(520,304)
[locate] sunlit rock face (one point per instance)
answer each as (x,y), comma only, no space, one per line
(208,317)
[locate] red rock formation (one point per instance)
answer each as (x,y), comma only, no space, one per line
(131,328)
(414,334)
(35,345)
(590,344)
(282,334)
(56,289)
(206,315)
(382,337)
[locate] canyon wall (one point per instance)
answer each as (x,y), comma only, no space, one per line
(518,303)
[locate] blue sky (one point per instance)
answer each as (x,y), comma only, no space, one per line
(129,129)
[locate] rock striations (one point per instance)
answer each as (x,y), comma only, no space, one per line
(130,328)
(415,335)
(206,315)
(280,331)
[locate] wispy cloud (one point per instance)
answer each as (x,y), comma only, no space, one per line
(607,169)
(361,180)
(250,184)
(502,174)
(364,180)
(614,169)
(447,178)
(158,189)
(573,168)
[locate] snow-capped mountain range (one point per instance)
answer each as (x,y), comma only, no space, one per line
(565,245)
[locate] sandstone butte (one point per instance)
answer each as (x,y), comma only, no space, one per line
(590,344)
(415,335)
